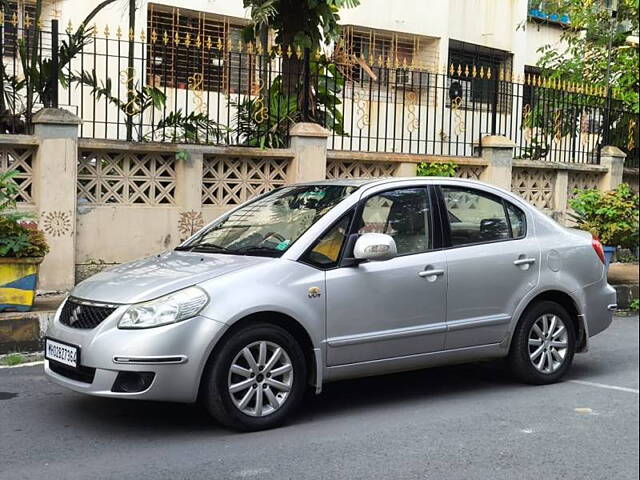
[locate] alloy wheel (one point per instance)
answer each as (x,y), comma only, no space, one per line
(548,343)
(260,378)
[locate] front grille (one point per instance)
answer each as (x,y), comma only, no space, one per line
(80,374)
(82,315)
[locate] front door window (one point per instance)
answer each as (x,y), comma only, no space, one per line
(403,214)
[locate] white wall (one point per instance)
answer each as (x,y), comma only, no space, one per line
(538,35)
(418,17)
(483,22)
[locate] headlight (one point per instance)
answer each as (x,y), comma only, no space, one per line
(171,308)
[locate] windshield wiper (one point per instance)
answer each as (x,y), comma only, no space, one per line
(206,247)
(255,250)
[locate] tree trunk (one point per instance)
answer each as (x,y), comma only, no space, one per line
(291,68)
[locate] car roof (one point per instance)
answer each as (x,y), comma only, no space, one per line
(367,183)
(360,182)
(346,182)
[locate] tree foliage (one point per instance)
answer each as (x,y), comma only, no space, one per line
(584,57)
(304,23)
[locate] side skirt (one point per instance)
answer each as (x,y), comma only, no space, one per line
(414,362)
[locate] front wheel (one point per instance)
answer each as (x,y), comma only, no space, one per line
(256,379)
(543,344)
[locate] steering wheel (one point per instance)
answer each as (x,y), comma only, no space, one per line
(275,235)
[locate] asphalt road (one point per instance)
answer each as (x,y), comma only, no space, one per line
(465,422)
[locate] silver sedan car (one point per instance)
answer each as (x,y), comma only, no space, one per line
(324,281)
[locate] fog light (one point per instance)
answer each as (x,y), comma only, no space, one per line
(132,382)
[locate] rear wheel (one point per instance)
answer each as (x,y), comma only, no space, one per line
(543,344)
(257,378)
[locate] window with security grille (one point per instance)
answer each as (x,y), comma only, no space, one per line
(476,70)
(531,74)
(15,14)
(188,46)
(386,57)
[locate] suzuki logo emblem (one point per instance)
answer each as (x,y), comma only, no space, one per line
(75,315)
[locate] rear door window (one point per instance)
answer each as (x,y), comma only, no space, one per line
(479,217)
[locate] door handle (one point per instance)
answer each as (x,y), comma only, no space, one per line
(524,261)
(430,273)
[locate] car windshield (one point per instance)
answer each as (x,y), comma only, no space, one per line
(269,225)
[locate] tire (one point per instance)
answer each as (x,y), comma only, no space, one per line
(544,361)
(278,402)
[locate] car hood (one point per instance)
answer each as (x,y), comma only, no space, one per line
(159,275)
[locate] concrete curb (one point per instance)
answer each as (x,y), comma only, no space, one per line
(22,332)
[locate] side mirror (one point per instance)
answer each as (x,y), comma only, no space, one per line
(375,247)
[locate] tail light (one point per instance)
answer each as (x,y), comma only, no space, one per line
(597,246)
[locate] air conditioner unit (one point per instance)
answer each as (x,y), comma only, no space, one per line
(458,89)
(403,78)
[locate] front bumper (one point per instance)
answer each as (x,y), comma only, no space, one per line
(176,354)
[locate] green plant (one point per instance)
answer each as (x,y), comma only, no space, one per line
(435,169)
(625,255)
(195,127)
(175,127)
(40,73)
(266,128)
(8,192)
(143,97)
(16,238)
(538,147)
(13,359)
(634,305)
(610,216)
(267,125)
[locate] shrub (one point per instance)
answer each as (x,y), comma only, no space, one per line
(437,169)
(610,216)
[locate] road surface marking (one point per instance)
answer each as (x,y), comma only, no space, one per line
(583,410)
(609,387)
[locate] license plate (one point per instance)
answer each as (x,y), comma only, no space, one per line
(61,352)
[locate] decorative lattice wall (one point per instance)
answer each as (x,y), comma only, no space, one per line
(341,169)
(582,181)
(472,172)
(126,178)
(20,159)
(535,185)
(234,180)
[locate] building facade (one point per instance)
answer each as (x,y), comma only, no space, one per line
(432,30)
